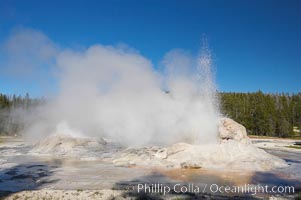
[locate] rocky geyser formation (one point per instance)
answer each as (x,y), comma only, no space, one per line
(234,151)
(61,144)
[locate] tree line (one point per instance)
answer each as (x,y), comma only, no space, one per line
(12,109)
(262,114)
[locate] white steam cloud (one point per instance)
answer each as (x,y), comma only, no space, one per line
(115,93)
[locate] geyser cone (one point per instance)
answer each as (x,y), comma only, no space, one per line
(234,152)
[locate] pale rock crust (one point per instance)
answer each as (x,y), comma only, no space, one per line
(64,144)
(231,130)
(233,152)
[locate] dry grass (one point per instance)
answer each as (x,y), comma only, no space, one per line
(294,147)
(270,137)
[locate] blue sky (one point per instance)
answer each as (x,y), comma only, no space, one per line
(255,44)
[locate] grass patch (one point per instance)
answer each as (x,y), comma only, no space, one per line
(98,193)
(298,137)
(294,147)
(2,138)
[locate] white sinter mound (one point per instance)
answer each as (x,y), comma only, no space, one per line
(66,142)
(233,152)
(62,144)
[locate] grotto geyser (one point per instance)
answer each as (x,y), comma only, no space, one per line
(167,118)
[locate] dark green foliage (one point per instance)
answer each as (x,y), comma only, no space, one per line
(11,109)
(264,114)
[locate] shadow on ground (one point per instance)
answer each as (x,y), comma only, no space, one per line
(157,181)
(26,176)
(272,179)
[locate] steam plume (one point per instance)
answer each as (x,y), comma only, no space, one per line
(115,93)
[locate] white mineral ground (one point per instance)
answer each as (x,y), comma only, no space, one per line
(64,166)
(234,152)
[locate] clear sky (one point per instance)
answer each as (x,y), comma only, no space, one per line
(256,44)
